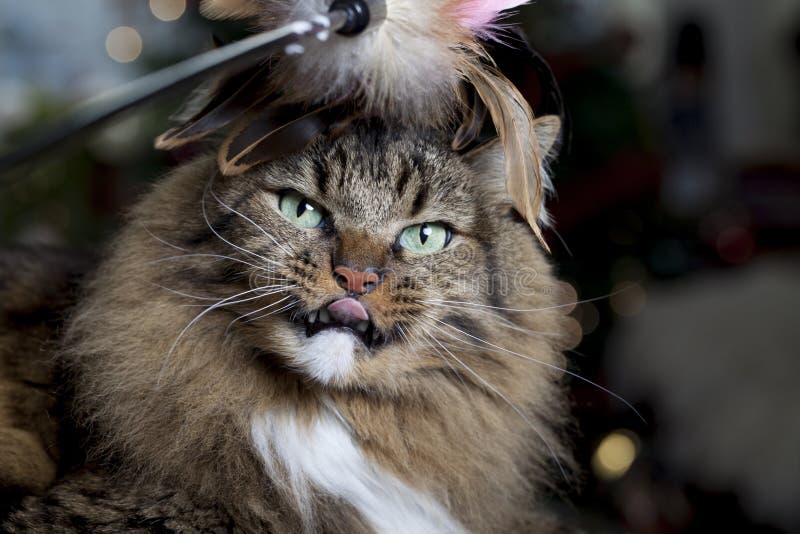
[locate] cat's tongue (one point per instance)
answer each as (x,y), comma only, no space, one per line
(348,311)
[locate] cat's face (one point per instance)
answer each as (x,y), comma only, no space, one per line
(359,250)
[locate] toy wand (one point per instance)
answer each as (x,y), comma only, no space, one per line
(423,66)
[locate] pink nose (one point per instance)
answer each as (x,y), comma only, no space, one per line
(348,311)
(354,281)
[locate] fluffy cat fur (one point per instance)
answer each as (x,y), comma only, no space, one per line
(454,424)
(35,291)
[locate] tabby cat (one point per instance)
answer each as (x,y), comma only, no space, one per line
(363,336)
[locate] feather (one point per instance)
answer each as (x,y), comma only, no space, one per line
(270,135)
(232,98)
(514,121)
(473,118)
(478,16)
(229,9)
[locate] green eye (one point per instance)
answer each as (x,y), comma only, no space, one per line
(425,238)
(299,210)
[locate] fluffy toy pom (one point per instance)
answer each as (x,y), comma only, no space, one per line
(409,68)
(479,16)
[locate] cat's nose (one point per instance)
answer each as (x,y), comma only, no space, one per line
(356,282)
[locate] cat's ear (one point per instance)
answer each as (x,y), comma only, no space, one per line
(229,9)
(488,159)
(548,134)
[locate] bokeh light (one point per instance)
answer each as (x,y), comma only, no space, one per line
(589,317)
(615,455)
(124,44)
(168,10)
(628,299)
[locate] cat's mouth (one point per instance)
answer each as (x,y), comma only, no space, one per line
(344,314)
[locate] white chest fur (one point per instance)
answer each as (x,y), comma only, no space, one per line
(325,456)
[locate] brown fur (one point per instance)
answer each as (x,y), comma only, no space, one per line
(175,411)
(36,288)
(88,501)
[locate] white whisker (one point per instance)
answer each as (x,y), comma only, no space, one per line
(162,241)
(426,337)
(532,359)
(503,320)
(287,307)
(248,219)
(511,405)
(230,300)
(218,256)
(182,294)
(275,291)
(514,310)
(268,306)
(211,227)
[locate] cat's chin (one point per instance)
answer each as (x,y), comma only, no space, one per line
(335,338)
(330,356)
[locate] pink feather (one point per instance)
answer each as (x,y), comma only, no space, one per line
(478,15)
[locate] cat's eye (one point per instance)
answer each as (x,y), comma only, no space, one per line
(425,238)
(300,211)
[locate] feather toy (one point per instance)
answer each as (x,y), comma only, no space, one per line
(317,65)
(424,65)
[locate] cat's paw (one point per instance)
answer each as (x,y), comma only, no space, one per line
(25,466)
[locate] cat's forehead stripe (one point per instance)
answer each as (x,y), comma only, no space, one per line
(420,200)
(403,178)
(322,175)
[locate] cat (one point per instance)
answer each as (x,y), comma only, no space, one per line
(362,336)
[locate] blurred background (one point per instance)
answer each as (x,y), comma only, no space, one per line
(678,196)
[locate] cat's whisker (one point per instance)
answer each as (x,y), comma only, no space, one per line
(563,241)
(227,301)
(160,240)
(269,278)
(216,233)
(182,294)
(531,310)
(268,293)
(512,310)
(248,219)
(513,406)
(219,257)
(287,307)
(425,337)
(214,299)
(190,255)
(249,314)
(498,349)
(502,320)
